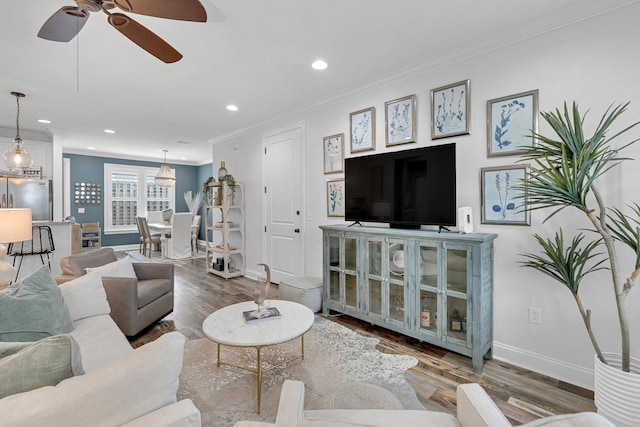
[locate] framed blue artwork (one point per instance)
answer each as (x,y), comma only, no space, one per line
(333,153)
(450,110)
(510,123)
(335,197)
(501,195)
(400,120)
(363,130)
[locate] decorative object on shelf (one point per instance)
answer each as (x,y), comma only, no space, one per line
(222,172)
(400,120)
(450,110)
(32,172)
(335,197)
(17,156)
(500,194)
(193,201)
(231,185)
(87,193)
(206,190)
(510,121)
(15,226)
(396,259)
(363,129)
(333,153)
(263,283)
(165,177)
(565,170)
(425,312)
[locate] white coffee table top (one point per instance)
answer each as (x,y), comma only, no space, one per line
(227,325)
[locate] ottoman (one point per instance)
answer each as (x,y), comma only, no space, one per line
(303,290)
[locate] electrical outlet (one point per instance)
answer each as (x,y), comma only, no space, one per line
(535,315)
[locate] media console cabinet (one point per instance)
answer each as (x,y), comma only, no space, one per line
(383,275)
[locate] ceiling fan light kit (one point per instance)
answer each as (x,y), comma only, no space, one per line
(65,24)
(17,156)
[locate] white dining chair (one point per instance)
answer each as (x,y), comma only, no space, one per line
(195,230)
(154,217)
(178,244)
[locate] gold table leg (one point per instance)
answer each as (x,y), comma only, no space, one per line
(258,369)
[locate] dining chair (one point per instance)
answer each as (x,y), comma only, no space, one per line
(178,244)
(148,238)
(195,230)
(154,217)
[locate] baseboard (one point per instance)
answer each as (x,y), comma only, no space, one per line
(555,368)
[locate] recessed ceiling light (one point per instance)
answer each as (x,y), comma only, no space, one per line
(183,158)
(232,107)
(319,65)
(91,148)
(109,131)
(44,121)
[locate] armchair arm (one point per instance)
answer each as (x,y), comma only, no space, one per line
(153,270)
(122,294)
(477,409)
(291,406)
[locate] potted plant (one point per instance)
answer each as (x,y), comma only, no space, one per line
(231,185)
(564,173)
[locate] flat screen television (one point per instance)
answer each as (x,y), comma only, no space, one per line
(405,189)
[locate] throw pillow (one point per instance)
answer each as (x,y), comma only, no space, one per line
(46,362)
(112,394)
(85,296)
(33,309)
(120,268)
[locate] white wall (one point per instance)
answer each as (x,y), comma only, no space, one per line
(594,62)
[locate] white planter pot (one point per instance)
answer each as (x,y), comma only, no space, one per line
(617,393)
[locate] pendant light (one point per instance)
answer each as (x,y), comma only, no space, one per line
(165,178)
(17,156)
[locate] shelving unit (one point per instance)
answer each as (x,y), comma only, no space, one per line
(381,275)
(224,228)
(90,239)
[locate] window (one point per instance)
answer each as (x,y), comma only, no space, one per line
(130,191)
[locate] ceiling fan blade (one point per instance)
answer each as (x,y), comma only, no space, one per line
(144,38)
(183,10)
(63,25)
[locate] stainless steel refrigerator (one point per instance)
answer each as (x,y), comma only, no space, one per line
(28,193)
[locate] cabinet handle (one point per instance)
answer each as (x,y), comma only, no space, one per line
(297,230)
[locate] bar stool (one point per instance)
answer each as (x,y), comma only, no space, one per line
(41,243)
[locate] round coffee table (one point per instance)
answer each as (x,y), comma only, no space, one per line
(228,327)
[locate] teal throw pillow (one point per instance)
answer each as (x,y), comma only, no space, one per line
(44,363)
(33,309)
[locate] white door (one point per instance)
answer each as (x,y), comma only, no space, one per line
(282,205)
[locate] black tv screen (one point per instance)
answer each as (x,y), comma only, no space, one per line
(406,189)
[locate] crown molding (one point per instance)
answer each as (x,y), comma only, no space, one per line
(549,23)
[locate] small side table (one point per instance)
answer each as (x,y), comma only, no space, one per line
(228,327)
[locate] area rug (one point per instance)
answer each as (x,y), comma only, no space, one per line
(334,355)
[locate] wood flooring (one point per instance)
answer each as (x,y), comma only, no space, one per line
(522,395)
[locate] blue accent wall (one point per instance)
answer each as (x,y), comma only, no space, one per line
(90,169)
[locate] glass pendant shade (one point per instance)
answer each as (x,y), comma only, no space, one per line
(17,156)
(165,178)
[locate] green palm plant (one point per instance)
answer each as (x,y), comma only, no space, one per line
(564,170)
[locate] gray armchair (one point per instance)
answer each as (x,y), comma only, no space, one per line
(135,303)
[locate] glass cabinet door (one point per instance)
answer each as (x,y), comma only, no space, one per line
(428,304)
(334,268)
(374,275)
(396,255)
(456,290)
(350,270)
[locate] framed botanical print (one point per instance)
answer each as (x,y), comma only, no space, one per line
(501,194)
(510,121)
(335,197)
(333,153)
(363,130)
(400,120)
(450,110)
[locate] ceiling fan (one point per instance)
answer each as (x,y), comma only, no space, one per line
(63,25)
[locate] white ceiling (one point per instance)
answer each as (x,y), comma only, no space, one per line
(252,53)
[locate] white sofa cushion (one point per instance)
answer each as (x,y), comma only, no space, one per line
(100,340)
(113,394)
(119,268)
(379,417)
(85,296)
(582,419)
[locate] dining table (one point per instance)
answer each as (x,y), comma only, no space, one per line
(165,229)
